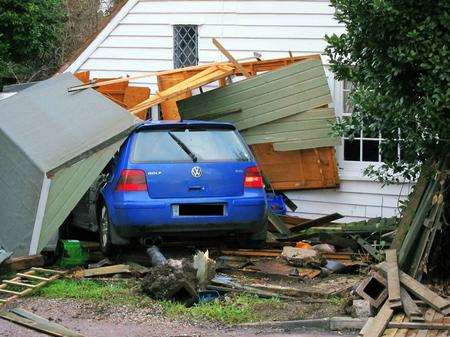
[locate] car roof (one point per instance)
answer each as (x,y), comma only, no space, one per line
(149,124)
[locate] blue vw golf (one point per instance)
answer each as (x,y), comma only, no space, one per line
(182,178)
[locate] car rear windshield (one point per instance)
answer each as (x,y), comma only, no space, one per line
(189,146)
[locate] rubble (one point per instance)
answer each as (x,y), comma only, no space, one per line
(300,257)
(169,281)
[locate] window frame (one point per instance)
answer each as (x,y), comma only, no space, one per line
(175,47)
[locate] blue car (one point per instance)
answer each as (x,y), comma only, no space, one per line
(187,178)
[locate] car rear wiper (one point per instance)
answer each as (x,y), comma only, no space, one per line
(184,147)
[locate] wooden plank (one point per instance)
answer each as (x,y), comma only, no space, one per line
(10,292)
(428,316)
(21,284)
(29,323)
(410,307)
(368,247)
(116,269)
(410,211)
(231,58)
(33,277)
(40,325)
(393,279)
(421,291)
(57,328)
(316,222)
(250,253)
(391,332)
(278,224)
(380,321)
(51,271)
(416,226)
(419,325)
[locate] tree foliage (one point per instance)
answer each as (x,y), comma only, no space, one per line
(30,32)
(397,55)
(38,36)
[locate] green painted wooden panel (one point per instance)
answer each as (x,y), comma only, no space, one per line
(68,186)
(219,100)
(288,136)
(274,127)
(310,114)
(307,144)
(281,106)
(273,111)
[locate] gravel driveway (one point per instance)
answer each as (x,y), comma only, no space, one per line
(96,320)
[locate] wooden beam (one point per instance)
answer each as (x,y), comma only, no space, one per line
(380,322)
(231,58)
(393,279)
(116,269)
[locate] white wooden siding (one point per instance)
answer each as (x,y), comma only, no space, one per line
(355,199)
(140,39)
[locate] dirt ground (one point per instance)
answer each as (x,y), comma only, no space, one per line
(93,320)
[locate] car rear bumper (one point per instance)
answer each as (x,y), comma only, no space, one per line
(137,219)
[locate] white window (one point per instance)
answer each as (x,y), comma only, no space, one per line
(364,146)
(185,46)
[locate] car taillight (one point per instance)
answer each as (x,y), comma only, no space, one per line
(132,180)
(253,178)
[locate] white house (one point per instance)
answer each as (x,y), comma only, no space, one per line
(150,35)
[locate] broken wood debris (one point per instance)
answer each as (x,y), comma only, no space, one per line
(421,291)
(410,307)
(28,281)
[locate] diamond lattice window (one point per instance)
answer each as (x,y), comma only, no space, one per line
(185,46)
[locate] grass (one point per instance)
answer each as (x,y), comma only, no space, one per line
(234,309)
(336,300)
(115,293)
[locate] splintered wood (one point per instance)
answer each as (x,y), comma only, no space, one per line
(206,76)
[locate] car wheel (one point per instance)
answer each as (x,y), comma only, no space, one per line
(104,231)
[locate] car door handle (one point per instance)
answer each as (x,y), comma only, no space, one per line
(196,188)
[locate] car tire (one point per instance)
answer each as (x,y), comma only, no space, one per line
(104,231)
